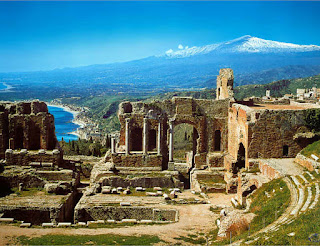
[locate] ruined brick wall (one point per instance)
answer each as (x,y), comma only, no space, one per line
(225,84)
(26,125)
(86,213)
(206,116)
(24,158)
(239,132)
(137,160)
(264,133)
(268,170)
(275,129)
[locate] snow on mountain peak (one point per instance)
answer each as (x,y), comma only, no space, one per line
(244,44)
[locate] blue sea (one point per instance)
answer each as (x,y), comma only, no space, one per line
(2,86)
(63,123)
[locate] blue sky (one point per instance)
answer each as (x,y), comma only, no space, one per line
(49,35)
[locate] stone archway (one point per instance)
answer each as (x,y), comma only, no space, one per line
(241,159)
(185,143)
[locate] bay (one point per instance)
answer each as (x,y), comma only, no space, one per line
(3,86)
(63,123)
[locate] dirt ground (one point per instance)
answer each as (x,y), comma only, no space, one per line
(192,219)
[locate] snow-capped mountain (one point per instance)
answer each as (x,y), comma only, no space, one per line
(253,61)
(245,44)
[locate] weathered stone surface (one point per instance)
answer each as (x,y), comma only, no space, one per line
(27,125)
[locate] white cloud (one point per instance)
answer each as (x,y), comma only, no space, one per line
(180,47)
(169,51)
(187,47)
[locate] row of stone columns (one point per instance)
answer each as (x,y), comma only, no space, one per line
(144,136)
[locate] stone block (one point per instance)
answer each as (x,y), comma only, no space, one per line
(157,188)
(114,191)
(125,204)
(129,221)
(159,193)
(151,194)
(41,151)
(26,225)
(146,221)
(48,225)
(64,224)
(82,224)
(6,219)
(140,189)
(111,221)
(173,195)
(126,192)
(47,164)
(166,196)
(177,190)
(106,191)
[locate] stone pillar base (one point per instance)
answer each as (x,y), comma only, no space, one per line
(171,166)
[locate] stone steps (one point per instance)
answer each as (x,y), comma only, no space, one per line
(316,197)
(308,201)
(295,181)
(301,196)
(304,179)
(310,175)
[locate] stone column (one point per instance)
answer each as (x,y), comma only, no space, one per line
(159,138)
(171,141)
(113,145)
(145,136)
(127,136)
(11,143)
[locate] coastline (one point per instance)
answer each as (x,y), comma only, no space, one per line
(75,119)
(8,89)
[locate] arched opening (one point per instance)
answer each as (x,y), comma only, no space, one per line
(185,143)
(285,150)
(218,93)
(249,190)
(136,139)
(241,159)
(18,138)
(34,138)
(217,140)
(152,140)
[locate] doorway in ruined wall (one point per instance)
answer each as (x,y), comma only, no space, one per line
(152,140)
(217,140)
(241,159)
(185,143)
(18,137)
(136,139)
(34,137)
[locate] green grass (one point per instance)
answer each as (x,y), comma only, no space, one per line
(304,226)
(211,180)
(193,239)
(107,239)
(313,148)
(267,209)
(29,191)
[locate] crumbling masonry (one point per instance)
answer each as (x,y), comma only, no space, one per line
(227,134)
